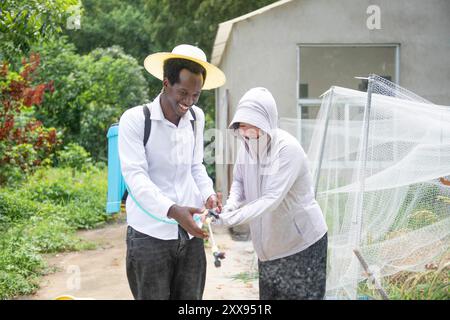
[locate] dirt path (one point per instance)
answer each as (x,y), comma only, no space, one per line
(100,273)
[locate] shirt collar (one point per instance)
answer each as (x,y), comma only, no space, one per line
(157,113)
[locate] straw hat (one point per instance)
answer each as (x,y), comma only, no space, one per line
(214,76)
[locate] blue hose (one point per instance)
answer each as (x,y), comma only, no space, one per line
(169,221)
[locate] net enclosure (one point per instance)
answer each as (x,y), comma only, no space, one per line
(381,164)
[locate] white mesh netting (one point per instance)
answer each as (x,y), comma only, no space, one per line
(380,161)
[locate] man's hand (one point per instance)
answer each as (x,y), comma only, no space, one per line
(183,215)
(214,202)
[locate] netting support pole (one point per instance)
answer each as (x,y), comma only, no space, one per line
(322,145)
(364,151)
(370,275)
(358,218)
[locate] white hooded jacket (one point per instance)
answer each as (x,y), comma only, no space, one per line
(272,187)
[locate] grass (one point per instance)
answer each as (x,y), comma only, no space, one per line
(42,216)
(431,284)
(423,205)
(247,276)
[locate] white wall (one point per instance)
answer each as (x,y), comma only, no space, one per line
(262,50)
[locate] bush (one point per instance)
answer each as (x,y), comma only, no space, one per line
(52,194)
(74,156)
(91,91)
(13,208)
(24,142)
(81,201)
(117,84)
(49,234)
(42,217)
(86,216)
(63,108)
(13,284)
(20,264)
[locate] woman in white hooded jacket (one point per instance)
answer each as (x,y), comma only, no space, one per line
(272,190)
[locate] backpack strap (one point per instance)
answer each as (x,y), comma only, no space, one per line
(194,127)
(193,121)
(148,124)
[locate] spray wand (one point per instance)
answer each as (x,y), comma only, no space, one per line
(218,255)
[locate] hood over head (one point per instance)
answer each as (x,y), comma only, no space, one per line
(258,108)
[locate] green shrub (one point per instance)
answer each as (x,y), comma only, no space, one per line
(74,156)
(85,216)
(13,208)
(25,143)
(50,234)
(91,91)
(20,264)
(13,284)
(81,200)
(42,217)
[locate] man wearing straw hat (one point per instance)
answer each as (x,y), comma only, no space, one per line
(166,179)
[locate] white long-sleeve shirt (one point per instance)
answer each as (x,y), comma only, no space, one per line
(272,187)
(169,170)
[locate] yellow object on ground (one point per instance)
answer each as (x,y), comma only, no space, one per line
(65,297)
(69,297)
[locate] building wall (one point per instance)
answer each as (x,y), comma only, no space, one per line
(262,50)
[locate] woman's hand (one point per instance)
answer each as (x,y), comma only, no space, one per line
(214,202)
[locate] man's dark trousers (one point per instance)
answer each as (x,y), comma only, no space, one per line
(165,269)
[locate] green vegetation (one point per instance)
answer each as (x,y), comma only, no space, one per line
(25,143)
(75,157)
(60,90)
(23,23)
(247,276)
(42,217)
(90,92)
(431,284)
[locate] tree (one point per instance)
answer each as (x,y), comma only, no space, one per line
(114,22)
(26,22)
(143,27)
(116,84)
(193,21)
(62,109)
(91,91)
(24,142)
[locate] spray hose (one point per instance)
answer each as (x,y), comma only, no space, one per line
(169,221)
(210,214)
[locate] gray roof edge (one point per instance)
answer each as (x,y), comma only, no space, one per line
(224,30)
